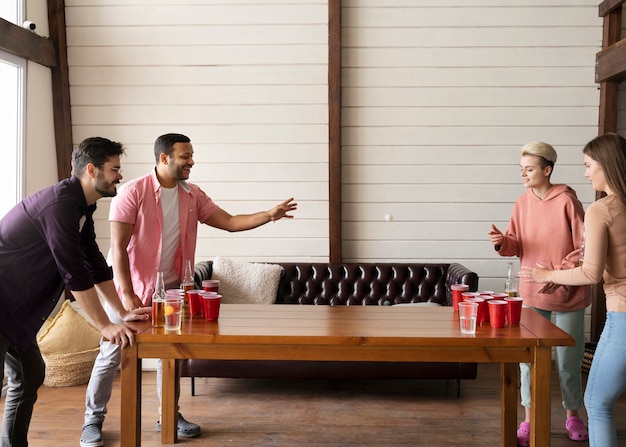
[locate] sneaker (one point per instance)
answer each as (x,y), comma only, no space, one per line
(185,429)
(91,436)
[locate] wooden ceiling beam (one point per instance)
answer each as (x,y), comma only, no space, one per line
(26,44)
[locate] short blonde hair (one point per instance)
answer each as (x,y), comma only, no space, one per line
(540,149)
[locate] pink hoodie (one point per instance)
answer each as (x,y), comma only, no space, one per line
(547,231)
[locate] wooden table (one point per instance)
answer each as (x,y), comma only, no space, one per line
(357,333)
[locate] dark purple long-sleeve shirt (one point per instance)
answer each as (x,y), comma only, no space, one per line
(47,242)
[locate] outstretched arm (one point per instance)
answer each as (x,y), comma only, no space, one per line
(241,222)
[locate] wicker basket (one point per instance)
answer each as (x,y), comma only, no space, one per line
(69,369)
(590,349)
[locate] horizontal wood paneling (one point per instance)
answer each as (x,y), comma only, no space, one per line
(200,114)
(468,116)
(205,55)
(438,99)
(246,81)
(472,90)
(93,14)
(197,95)
(285,76)
(250,34)
(468,15)
(495,36)
(493,77)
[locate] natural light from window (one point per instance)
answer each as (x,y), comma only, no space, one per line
(11,125)
(12,85)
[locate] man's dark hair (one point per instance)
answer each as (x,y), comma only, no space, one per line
(95,150)
(165,144)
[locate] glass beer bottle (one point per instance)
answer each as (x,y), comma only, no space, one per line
(187,279)
(158,302)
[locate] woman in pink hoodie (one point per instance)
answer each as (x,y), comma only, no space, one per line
(546,228)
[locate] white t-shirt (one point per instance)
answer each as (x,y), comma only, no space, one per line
(170,236)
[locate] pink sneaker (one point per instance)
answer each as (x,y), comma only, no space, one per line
(523,434)
(576,429)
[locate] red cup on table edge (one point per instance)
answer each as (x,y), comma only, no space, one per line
(457,290)
(195,302)
(497,313)
(481,316)
(211,285)
(211,305)
(513,309)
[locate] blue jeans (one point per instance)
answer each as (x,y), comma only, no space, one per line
(606,382)
(568,359)
(26,370)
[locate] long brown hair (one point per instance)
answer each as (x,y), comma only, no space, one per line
(609,150)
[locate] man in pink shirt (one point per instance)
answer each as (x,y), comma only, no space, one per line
(154,223)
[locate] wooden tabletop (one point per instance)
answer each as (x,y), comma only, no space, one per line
(371,326)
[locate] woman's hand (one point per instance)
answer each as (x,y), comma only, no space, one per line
(495,236)
(539,274)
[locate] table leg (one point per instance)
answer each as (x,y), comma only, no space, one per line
(508,403)
(540,397)
(130,388)
(169,401)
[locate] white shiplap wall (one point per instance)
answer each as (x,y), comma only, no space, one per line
(438,99)
(246,81)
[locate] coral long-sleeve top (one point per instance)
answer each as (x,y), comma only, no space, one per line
(548,231)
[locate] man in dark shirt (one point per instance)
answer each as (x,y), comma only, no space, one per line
(47,243)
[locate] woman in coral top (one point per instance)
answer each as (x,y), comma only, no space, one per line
(546,227)
(605,258)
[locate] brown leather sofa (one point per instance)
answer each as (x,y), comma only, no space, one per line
(381,284)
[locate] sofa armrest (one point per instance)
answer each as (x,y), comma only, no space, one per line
(201,271)
(459,274)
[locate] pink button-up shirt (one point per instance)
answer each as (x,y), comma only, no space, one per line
(138,203)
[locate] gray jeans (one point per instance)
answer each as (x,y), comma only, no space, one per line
(103,375)
(26,370)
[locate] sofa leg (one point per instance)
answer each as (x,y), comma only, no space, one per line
(193,386)
(458,388)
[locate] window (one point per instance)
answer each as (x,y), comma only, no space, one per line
(12,82)
(12,114)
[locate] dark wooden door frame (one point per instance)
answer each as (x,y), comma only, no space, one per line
(610,71)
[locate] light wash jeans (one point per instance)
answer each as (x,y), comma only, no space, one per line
(606,382)
(25,369)
(103,375)
(568,359)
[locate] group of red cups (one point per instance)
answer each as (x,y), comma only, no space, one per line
(206,302)
(496,309)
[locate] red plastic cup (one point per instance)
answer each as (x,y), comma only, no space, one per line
(499,296)
(481,316)
(195,302)
(497,313)
(466,295)
(211,285)
(211,306)
(485,292)
(513,309)
(457,297)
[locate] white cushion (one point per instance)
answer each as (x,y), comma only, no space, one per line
(246,282)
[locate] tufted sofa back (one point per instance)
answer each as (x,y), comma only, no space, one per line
(364,283)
